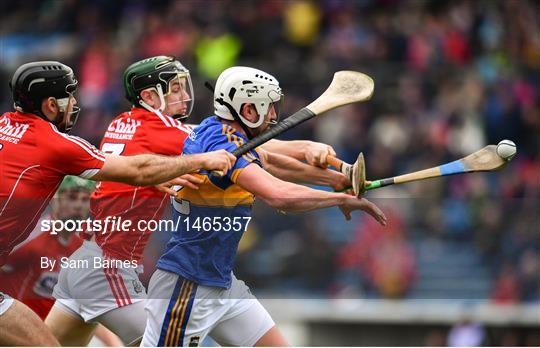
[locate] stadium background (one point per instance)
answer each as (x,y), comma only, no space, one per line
(451,77)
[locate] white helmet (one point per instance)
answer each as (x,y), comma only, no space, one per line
(239,85)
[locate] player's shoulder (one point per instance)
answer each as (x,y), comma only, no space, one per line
(127,120)
(155,121)
(59,142)
(49,133)
(213,134)
(17,127)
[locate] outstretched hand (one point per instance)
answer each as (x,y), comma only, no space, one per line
(365,205)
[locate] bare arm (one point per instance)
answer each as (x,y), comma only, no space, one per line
(295,198)
(144,170)
(292,170)
(312,152)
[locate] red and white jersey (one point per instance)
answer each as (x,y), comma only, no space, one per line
(135,132)
(34,158)
(25,279)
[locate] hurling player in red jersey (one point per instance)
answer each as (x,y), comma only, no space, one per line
(24,276)
(161,93)
(35,155)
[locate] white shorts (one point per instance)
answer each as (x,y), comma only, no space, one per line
(5,303)
(182,313)
(90,290)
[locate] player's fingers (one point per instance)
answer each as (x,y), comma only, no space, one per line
(169,191)
(175,181)
(310,159)
(166,189)
(374,211)
(232,158)
(192,179)
(320,159)
(226,154)
(187,183)
(345,213)
(225,166)
(350,192)
(323,159)
(331,151)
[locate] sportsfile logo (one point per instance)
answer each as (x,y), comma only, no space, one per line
(115,224)
(12,131)
(122,130)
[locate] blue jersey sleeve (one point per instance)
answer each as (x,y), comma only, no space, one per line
(231,143)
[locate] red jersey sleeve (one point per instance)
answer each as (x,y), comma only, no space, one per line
(72,155)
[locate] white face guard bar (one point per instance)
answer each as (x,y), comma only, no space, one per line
(183,81)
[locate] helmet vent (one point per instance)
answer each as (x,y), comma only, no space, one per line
(232,92)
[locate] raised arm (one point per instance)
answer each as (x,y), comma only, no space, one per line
(312,152)
(292,170)
(290,197)
(144,170)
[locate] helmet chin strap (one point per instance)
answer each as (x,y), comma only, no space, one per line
(234,114)
(159,111)
(151,109)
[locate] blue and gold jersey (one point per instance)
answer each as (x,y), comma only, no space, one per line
(210,221)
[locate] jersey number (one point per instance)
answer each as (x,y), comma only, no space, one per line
(113,148)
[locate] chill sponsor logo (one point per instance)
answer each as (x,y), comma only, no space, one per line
(12,131)
(122,129)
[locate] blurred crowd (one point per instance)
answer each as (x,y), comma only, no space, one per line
(451,77)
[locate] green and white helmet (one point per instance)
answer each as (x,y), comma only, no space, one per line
(157,73)
(75,183)
(239,85)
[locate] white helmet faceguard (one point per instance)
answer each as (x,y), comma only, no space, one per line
(239,85)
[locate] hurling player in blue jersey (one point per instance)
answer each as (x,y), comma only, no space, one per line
(194,292)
